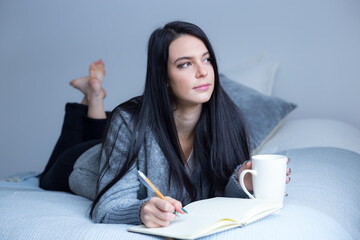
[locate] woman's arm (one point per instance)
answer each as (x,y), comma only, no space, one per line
(119,204)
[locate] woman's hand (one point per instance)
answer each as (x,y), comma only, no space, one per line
(288,173)
(248,177)
(157,212)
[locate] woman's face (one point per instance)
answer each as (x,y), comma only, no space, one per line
(190,71)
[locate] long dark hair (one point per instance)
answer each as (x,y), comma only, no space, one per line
(220,142)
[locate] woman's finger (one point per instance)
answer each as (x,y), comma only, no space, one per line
(164,205)
(248,164)
(288,180)
(157,212)
(177,204)
(163,218)
(156,221)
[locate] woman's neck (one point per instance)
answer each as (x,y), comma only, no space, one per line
(185,121)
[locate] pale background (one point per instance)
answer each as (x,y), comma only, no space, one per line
(45,44)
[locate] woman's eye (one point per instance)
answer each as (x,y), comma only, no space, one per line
(207,60)
(184,65)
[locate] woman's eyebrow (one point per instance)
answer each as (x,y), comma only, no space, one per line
(186,58)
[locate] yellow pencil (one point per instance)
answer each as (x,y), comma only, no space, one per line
(149,185)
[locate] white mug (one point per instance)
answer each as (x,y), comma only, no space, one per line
(268,176)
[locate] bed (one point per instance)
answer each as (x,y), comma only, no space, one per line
(323,200)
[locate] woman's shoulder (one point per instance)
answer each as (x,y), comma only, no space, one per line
(126,111)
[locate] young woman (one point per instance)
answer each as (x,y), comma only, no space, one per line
(184,133)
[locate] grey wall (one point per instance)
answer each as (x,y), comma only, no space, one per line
(45,44)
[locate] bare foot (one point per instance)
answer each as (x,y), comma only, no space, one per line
(94,94)
(91,85)
(97,69)
(95,98)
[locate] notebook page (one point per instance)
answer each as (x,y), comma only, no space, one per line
(205,215)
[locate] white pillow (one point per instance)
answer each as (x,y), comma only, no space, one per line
(311,132)
(257,73)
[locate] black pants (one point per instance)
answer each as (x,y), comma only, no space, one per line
(78,134)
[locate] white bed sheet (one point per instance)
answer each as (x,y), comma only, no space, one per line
(303,133)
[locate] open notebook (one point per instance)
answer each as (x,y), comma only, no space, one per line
(211,216)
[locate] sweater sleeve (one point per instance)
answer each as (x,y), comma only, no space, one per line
(233,188)
(120,203)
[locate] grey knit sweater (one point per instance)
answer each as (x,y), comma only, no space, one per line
(122,202)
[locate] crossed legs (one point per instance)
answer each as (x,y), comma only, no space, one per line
(82,128)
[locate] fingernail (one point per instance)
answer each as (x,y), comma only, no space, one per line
(289,159)
(289,179)
(286,195)
(289,170)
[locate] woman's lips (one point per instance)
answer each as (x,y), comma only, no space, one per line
(202,87)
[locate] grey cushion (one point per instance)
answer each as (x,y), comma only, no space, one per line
(263,114)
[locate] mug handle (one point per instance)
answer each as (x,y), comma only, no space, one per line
(242,180)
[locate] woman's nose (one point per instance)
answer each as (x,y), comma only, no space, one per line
(201,71)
